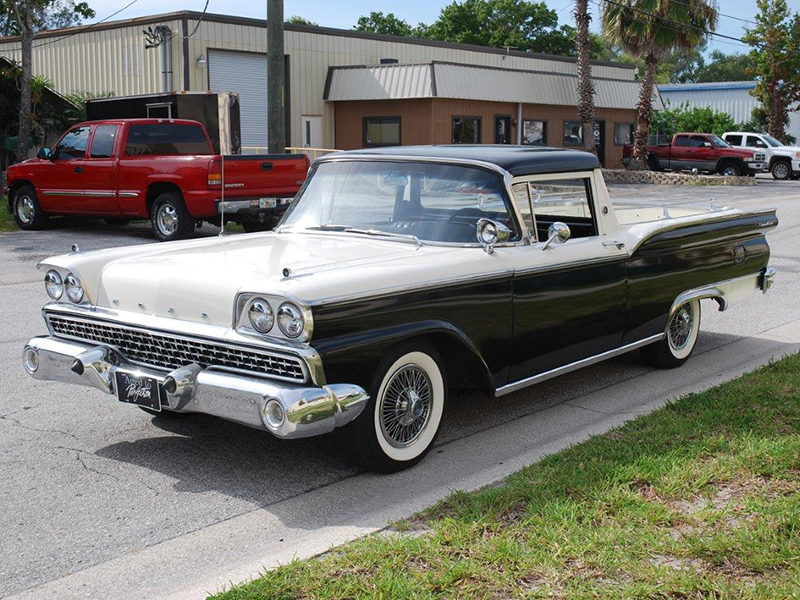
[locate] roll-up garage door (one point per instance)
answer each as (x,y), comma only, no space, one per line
(245,73)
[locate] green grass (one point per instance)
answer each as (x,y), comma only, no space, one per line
(6,220)
(700,499)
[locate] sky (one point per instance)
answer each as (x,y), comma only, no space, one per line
(343,14)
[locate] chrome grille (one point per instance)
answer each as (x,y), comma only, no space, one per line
(157,349)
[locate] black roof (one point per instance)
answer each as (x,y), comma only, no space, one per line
(517,160)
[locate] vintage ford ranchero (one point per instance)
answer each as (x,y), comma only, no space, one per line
(396,275)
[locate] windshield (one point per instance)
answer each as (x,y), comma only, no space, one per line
(719,142)
(771,140)
(428,202)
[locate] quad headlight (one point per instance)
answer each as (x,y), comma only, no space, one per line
(73,288)
(291,320)
(53,284)
(261,316)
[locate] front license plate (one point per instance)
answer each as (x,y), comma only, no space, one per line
(267,202)
(134,388)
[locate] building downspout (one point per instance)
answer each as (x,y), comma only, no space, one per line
(166,60)
(519,123)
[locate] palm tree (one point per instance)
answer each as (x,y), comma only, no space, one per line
(649,29)
(583,50)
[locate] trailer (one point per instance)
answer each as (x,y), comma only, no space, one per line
(218,112)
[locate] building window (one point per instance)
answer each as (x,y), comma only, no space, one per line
(623,134)
(534,133)
(381,131)
(466,130)
(573,133)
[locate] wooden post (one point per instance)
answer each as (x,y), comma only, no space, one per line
(275,78)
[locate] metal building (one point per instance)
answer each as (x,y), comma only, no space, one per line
(223,53)
(732,97)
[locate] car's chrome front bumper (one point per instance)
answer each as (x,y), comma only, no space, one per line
(308,410)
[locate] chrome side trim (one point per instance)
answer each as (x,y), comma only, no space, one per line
(99,194)
(128,194)
(80,194)
(522,383)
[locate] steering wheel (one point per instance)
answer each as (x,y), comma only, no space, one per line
(469,213)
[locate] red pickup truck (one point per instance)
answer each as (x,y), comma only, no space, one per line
(704,152)
(157,169)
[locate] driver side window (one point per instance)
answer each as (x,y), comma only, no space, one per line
(73,144)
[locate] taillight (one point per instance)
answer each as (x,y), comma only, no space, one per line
(214,174)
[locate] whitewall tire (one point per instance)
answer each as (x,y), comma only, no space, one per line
(403,417)
(680,338)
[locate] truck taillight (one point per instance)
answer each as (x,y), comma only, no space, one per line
(214,179)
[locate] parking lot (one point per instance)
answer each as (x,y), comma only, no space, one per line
(91,485)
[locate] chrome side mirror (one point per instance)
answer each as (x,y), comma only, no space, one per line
(490,233)
(558,232)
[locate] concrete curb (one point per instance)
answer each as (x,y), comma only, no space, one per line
(664,178)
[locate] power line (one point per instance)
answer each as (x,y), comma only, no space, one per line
(685,26)
(196,27)
(88,27)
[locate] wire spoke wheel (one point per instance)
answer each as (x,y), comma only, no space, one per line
(405,407)
(680,326)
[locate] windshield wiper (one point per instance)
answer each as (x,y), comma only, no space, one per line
(376,232)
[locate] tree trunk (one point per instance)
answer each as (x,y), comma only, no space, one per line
(644,114)
(25,110)
(586,91)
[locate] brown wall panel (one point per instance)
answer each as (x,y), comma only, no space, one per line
(429,121)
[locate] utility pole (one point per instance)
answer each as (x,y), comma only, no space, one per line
(276,78)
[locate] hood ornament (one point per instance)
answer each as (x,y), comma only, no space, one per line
(287,272)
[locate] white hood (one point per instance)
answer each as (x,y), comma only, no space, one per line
(204,276)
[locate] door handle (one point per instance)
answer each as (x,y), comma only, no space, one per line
(615,244)
(266,166)
(79,169)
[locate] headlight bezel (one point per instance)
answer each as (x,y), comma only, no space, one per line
(53,277)
(72,281)
(242,324)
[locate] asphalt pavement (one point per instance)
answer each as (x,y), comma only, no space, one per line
(102,501)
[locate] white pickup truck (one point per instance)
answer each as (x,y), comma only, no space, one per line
(783,161)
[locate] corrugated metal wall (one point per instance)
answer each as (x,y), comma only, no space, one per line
(114,60)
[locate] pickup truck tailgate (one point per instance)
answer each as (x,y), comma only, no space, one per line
(265,175)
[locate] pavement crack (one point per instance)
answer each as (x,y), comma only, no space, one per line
(79,456)
(17,423)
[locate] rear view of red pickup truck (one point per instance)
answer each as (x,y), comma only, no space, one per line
(156,169)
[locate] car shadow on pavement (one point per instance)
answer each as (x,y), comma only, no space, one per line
(203,453)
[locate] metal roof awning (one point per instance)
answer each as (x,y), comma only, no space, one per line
(469,82)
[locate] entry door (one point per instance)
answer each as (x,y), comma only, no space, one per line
(502,130)
(99,170)
(600,140)
(312,131)
(569,300)
(61,179)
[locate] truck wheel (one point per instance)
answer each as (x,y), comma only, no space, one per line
(781,170)
(402,418)
(652,163)
(730,170)
(28,212)
(680,338)
(170,219)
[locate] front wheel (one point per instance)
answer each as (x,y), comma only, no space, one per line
(731,170)
(680,338)
(781,170)
(28,212)
(170,219)
(402,419)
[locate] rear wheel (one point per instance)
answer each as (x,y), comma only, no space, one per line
(730,170)
(680,338)
(652,163)
(402,419)
(28,213)
(781,170)
(170,219)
